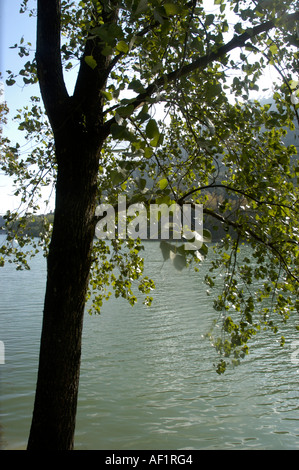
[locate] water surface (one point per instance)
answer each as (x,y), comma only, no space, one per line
(147,377)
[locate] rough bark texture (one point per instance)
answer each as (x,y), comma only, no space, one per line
(69,261)
(79,132)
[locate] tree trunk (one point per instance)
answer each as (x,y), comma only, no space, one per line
(68,267)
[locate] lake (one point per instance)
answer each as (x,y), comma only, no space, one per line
(147,375)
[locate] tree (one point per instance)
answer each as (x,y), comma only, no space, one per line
(212,140)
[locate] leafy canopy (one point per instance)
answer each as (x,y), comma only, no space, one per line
(182,127)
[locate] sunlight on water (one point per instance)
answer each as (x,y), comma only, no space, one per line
(147,377)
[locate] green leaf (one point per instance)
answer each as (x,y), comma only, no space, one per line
(209,20)
(107,95)
(148,152)
(122,47)
(293,84)
(152,130)
(137,86)
(142,183)
(125,111)
(10,82)
(157,140)
(165,248)
(179,262)
(163,183)
(204,249)
(116,177)
(239,28)
(140,7)
(171,9)
(107,50)
(207,235)
(108,33)
(118,132)
(164,200)
(273,49)
(90,61)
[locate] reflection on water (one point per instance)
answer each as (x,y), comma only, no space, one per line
(147,377)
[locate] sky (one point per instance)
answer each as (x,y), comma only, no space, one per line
(13,26)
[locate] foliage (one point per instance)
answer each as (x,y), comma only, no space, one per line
(181,127)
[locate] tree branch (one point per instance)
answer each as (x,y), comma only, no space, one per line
(238,191)
(91,81)
(48,58)
(240,230)
(202,62)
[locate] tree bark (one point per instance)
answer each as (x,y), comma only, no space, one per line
(79,133)
(77,124)
(69,261)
